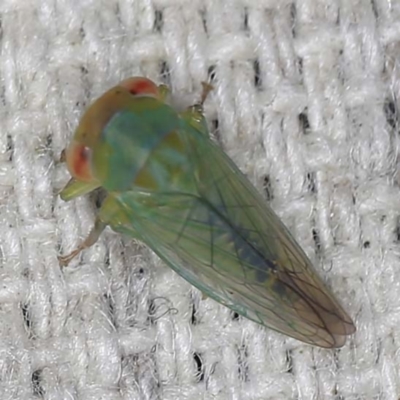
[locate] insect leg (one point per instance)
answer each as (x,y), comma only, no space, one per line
(206,90)
(63,156)
(94,235)
(163,92)
(109,214)
(194,114)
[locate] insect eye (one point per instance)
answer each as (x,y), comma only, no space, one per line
(140,87)
(78,161)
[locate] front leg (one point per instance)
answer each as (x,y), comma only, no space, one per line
(194,114)
(163,91)
(109,214)
(92,238)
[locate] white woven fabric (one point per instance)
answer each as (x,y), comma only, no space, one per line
(306,99)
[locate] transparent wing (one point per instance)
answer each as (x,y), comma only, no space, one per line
(225,240)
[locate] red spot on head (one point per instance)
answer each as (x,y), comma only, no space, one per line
(78,161)
(140,86)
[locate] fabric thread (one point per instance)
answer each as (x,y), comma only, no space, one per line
(305,102)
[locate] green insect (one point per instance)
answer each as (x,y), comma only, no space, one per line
(171,187)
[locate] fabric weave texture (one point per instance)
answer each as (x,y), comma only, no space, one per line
(305,101)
